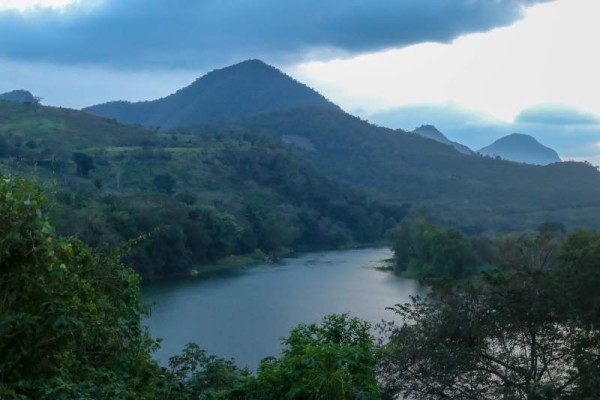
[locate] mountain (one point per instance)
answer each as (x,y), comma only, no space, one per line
(472,192)
(18,96)
(431,132)
(197,197)
(521,148)
(250,87)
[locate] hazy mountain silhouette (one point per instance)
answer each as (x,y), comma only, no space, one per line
(250,87)
(521,148)
(431,132)
(18,96)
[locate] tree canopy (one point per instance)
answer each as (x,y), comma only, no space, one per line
(527,331)
(70,315)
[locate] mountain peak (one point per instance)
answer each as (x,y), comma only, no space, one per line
(523,148)
(431,132)
(248,88)
(18,96)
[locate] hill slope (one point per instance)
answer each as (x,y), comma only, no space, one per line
(18,96)
(201,197)
(473,192)
(250,87)
(521,148)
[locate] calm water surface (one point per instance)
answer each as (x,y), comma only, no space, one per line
(243,313)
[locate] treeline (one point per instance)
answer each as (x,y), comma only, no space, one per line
(435,254)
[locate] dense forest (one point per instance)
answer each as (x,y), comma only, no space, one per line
(526,329)
(474,193)
(195,197)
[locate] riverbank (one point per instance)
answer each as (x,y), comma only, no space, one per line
(229,262)
(258,257)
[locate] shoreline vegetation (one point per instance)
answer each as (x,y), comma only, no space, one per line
(258,257)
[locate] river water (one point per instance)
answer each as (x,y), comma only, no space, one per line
(244,312)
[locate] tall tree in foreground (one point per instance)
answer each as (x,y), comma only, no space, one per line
(335,360)
(526,334)
(69,316)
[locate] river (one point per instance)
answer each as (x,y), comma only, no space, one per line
(244,312)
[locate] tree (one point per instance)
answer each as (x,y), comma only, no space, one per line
(199,375)
(431,253)
(511,338)
(69,316)
(84,163)
(165,183)
(332,361)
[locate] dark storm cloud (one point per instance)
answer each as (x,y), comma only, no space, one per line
(201,33)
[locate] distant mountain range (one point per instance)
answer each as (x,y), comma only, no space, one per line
(521,148)
(18,96)
(250,87)
(431,132)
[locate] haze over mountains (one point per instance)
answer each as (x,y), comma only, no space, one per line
(521,148)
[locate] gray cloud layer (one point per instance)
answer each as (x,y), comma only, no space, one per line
(203,33)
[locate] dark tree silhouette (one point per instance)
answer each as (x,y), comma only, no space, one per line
(84,163)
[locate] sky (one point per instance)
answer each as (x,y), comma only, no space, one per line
(477,69)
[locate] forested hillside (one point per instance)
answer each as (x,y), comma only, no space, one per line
(473,192)
(198,197)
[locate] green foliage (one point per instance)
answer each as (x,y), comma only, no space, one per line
(474,193)
(196,375)
(69,316)
(578,275)
(335,360)
(84,163)
(530,332)
(70,325)
(427,252)
(165,183)
(263,197)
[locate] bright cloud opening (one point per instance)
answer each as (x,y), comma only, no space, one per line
(34,5)
(547,57)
